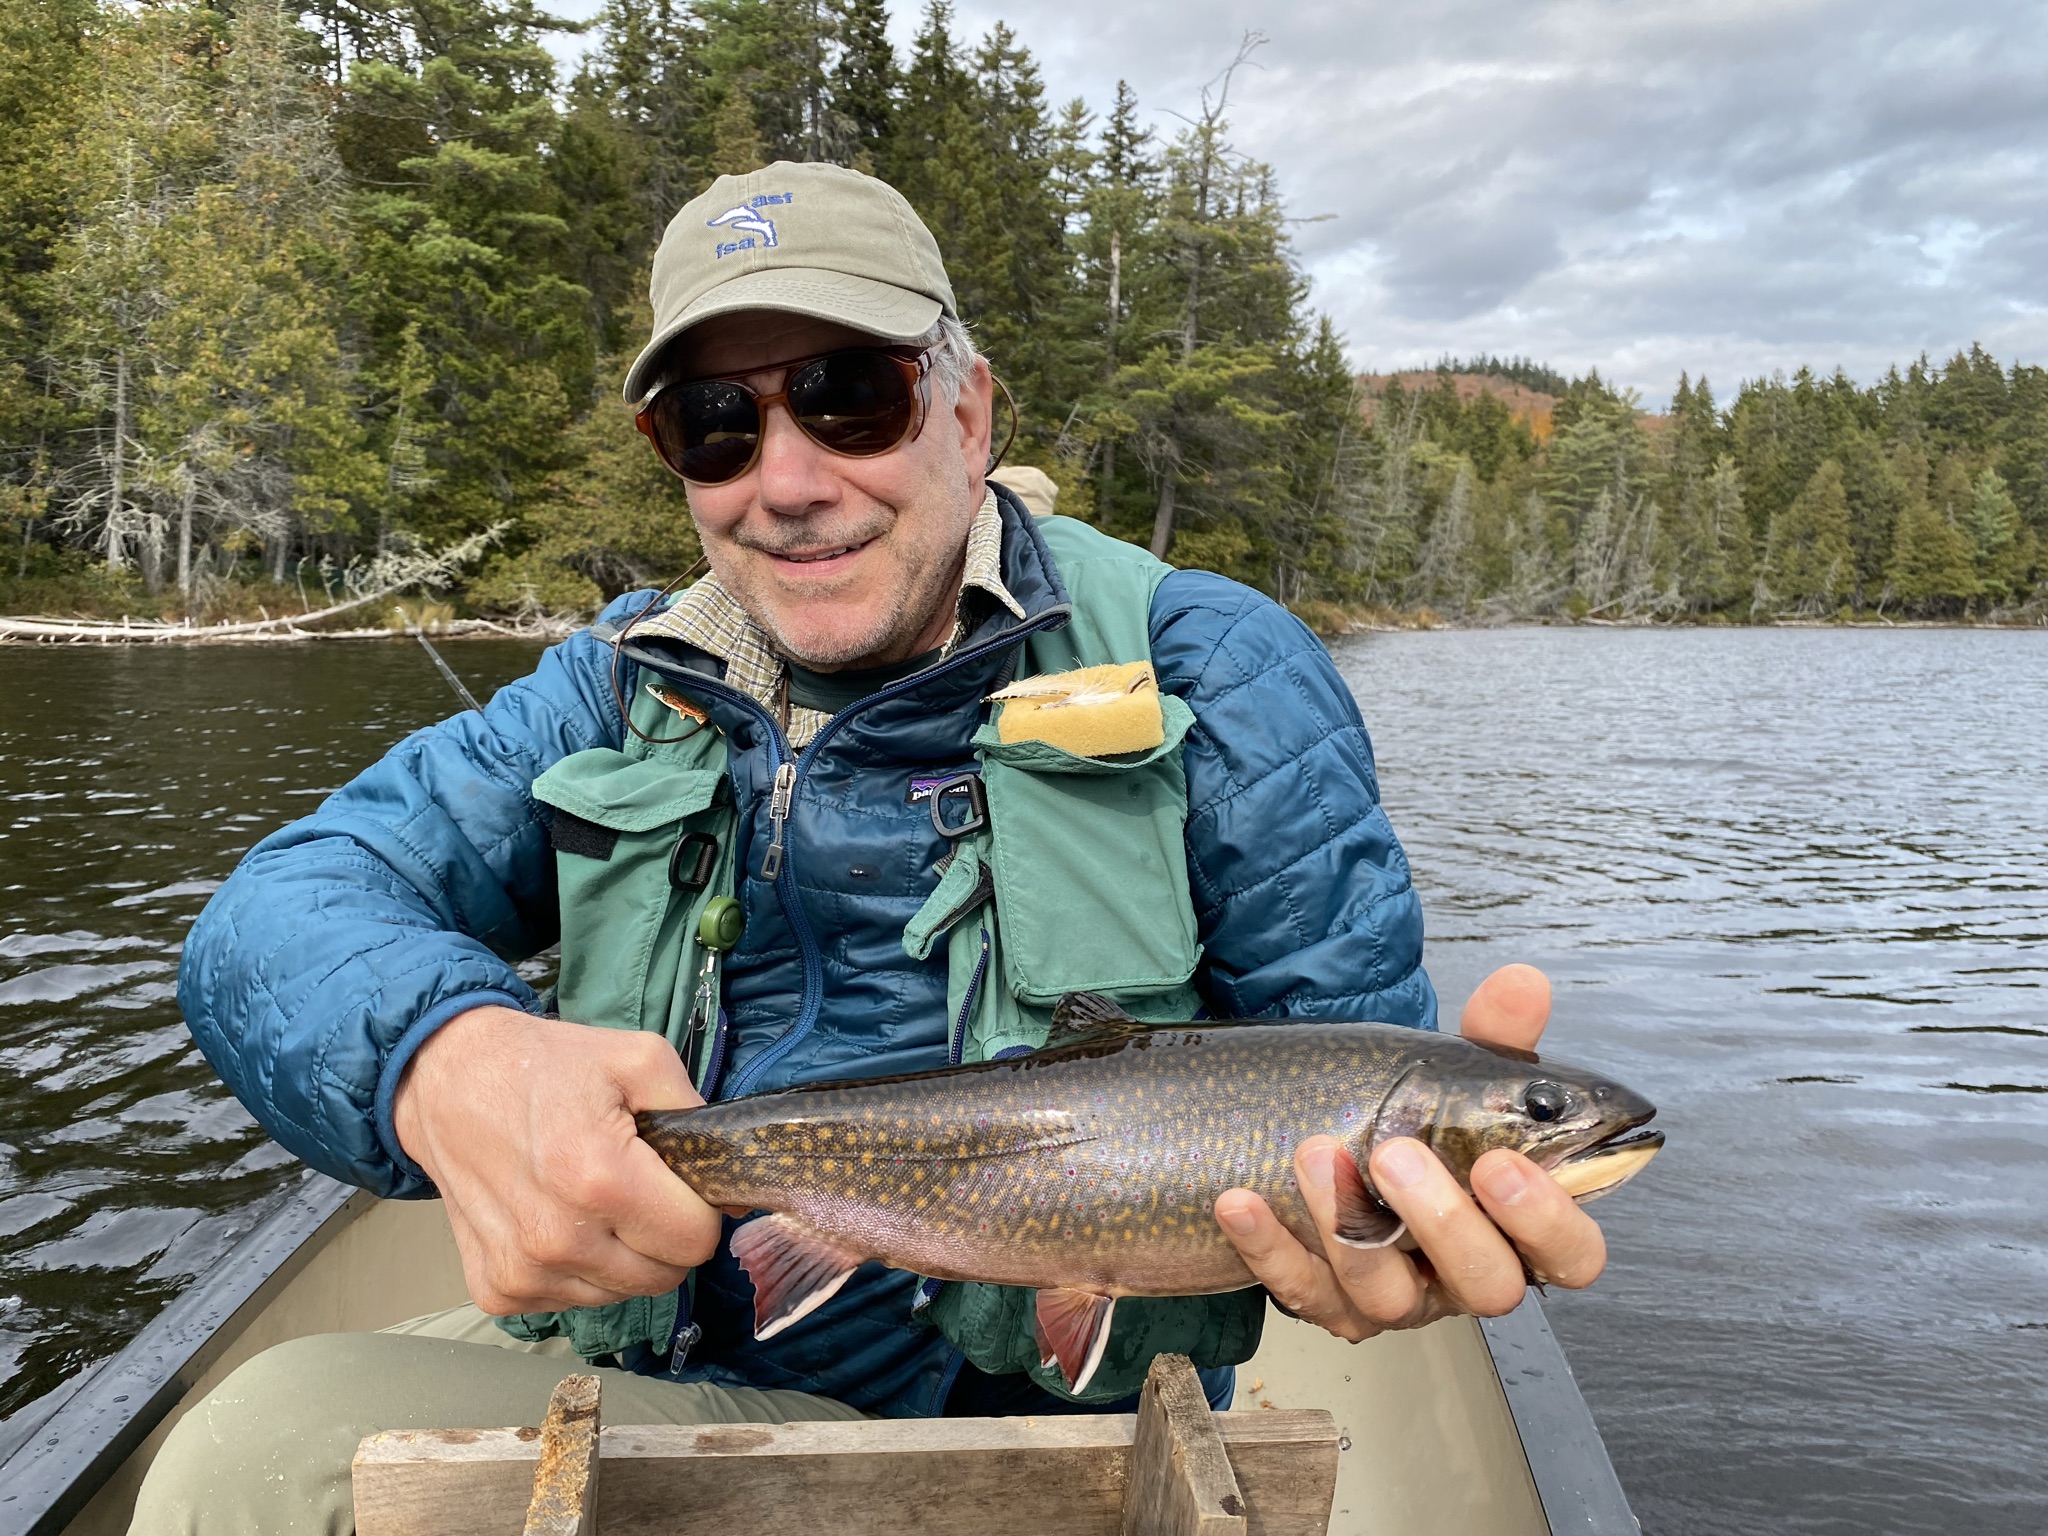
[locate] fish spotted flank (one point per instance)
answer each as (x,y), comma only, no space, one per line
(1089,1170)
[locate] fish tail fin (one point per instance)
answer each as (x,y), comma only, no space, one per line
(1073,1330)
(794,1270)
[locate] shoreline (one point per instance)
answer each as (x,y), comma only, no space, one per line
(1326,621)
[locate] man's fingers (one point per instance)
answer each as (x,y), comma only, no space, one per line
(1474,1263)
(546,1296)
(649,1073)
(1509,1008)
(660,1215)
(1382,1284)
(1294,1277)
(1563,1245)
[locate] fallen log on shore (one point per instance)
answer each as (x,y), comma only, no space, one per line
(37,630)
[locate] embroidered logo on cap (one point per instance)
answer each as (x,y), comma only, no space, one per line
(747,221)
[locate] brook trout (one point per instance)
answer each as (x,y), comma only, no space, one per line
(1088,1170)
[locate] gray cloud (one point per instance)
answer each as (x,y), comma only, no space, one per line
(1728,186)
(1640,187)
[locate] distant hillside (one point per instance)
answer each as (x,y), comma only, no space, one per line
(1531,405)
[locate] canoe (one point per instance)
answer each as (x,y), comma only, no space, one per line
(1465,1428)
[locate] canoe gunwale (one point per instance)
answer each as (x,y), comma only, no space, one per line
(1568,1460)
(72,1453)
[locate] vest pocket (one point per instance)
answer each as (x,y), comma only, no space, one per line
(1091,877)
(628,897)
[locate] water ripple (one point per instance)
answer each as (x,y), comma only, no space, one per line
(127,1168)
(1793,886)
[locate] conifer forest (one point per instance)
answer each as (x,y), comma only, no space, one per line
(289,297)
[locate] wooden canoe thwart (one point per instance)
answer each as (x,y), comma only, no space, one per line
(564,1501)
(1171,1469)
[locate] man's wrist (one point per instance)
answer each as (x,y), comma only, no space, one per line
(398,1061)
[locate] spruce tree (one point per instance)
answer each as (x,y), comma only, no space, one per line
(47,52)
(1808,567)
(1729,577)
(1931,571)
(866,80)
(1994,528)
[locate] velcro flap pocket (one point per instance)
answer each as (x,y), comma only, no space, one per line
(625,926)
(1091,877)
(626,794)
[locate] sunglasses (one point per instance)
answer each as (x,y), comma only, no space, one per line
(861,402)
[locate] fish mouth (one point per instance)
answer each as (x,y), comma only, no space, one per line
(1604,1167)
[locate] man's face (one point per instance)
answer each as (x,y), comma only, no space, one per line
(844,562)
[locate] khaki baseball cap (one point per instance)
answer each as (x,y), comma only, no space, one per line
(807,238)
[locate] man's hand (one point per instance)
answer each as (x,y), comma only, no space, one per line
(526,1127)
(1467,1259)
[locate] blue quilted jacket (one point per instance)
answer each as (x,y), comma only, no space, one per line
(343,941)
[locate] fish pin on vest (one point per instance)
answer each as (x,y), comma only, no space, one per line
(1088,1170)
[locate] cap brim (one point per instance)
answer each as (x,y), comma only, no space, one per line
(860,303)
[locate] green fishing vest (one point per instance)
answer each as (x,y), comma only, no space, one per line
(1078,883)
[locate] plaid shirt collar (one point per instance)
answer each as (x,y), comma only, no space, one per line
(711,618)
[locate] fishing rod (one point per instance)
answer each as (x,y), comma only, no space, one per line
(447,672)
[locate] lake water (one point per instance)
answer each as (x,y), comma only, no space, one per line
(1793,884)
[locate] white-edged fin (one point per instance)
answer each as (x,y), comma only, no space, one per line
(1362,1222)
(795,1271)
(1073,1329)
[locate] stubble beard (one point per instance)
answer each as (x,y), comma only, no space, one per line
(896,622)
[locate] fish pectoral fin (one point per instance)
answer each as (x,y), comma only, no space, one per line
(794,1270)
(1362,1221)
(1073,1330)
(1089,1016)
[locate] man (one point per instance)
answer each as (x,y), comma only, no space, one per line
(810,707)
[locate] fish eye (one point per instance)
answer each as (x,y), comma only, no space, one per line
(1544,1102)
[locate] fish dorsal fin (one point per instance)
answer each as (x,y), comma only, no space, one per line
(1511,1052)
(1090,1016)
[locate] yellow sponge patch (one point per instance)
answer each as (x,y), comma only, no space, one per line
(1090,712)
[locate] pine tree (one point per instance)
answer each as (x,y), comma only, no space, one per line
(644,82)
(1808,566)
(463,230)
(866,81)
(1729,577)
(1994,528)
(1931,569)
(47,51)
(1120,206)
(1444,573)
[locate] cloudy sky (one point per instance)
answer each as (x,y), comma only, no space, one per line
(1723,185)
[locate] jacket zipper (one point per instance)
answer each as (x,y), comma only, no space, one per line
(778,819)
(715,1068)
(785,872)
(957,1044)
